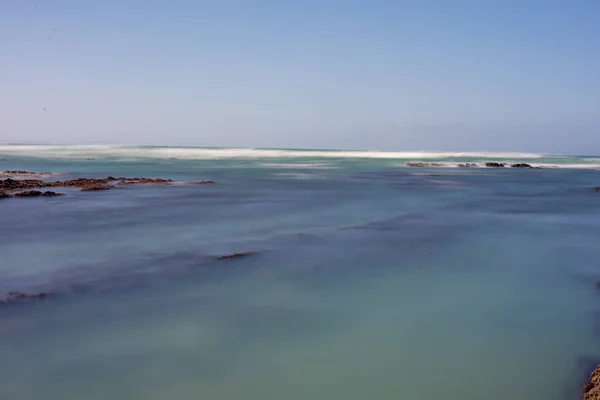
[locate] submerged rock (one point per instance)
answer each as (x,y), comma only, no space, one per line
(200,182)
(36,193)
(424,164)
(591,390)
(19,173)
(236,255)
(20,296)
(95,187)
(597,188)
(495,165)
(137,181)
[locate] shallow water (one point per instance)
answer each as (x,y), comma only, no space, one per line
(371,280)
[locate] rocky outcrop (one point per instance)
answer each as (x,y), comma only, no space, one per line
(200,182)
(495,165)
(236,255)
(591,390)
(12,297)
(521,165)
(9,185)
(13,184)
(424,164)
(467,165)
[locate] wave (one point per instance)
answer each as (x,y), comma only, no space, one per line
(196,153)
(290,159)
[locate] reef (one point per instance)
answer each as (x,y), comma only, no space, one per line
(9,185)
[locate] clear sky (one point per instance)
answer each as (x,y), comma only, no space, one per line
(391,75)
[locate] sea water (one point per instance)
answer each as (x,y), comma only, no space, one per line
(370,280)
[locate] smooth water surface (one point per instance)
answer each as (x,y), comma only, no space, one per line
(371,280)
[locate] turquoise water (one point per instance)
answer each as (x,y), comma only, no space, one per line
(371,279)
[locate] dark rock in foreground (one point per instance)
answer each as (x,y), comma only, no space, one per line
(591,390)
(495,165)
(521,165)
(236,255)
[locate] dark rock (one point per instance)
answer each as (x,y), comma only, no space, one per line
(200,182)
(236,255)
(12,184)
(50,193)
(467,165)
(591,390)
(4,195)
(495,165)
(29,193)
(521,165)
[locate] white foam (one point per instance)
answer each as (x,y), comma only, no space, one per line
(297,175)
(298,165)
(191,153)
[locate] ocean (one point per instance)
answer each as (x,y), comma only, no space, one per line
(368,279)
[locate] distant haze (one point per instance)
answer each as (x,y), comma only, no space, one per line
(379,75)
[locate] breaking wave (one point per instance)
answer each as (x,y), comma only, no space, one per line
(195,153)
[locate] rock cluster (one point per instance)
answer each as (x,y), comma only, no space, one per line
(8,185)
(29,193)
(591,390)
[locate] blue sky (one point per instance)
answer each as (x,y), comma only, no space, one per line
(390,75)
